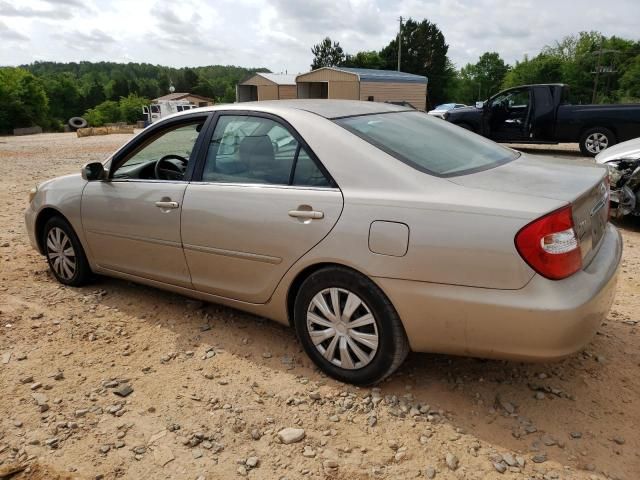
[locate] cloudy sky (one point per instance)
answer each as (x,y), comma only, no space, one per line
(278,34)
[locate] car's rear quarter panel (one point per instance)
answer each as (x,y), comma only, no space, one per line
(458,235)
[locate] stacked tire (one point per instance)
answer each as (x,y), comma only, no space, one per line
(76,123)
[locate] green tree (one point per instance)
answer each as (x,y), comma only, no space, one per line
(92,93)
(229,95)
(148,87)
(424,52)
(366,59)
(480,80)
(65,97)
(131,108)
(630,82)
(541,69)
(23,100)
(327,54)
(117,87)
(488,73)
(188,81)
(107,112)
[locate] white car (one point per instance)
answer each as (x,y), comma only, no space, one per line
(441,110)
(623,163)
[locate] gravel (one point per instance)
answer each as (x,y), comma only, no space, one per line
(452,461)
(291,435)
(158,342)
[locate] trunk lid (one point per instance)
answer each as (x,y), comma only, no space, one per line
(580,183)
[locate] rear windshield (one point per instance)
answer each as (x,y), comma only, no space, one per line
(428,144)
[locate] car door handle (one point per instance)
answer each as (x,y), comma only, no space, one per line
(312,214)
(167,204)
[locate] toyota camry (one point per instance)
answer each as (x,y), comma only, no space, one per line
(372,229)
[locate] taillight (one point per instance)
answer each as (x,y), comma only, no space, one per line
(550,245)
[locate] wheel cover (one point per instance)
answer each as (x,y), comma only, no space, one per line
(342,328)
(61,254)
(596,142)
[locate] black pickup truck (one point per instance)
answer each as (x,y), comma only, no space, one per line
(542,114)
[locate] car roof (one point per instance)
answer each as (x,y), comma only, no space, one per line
(330,109)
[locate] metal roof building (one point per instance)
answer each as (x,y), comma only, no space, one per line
(198,100)
(266,86)
(363,84)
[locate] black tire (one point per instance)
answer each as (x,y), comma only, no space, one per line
(77,122)
(591,140)
(392,347)
(81,272)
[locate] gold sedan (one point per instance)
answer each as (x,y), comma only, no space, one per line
(371,228)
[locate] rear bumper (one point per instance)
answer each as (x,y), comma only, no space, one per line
(545,320)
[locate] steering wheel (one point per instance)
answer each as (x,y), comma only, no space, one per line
(165,170)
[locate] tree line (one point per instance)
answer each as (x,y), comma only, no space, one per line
(49,93)
(598,69)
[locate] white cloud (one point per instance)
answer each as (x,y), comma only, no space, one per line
(278,34)
(9,35)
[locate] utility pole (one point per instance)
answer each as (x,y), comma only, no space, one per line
(595,81)
(399,43)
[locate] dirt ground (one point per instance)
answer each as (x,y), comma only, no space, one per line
(212,387)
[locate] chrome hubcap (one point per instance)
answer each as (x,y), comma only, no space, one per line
(342,328)
(62,257)
(597,142)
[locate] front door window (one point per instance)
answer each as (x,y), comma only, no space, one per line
(165,157)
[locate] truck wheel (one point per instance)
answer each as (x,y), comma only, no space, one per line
(595,140)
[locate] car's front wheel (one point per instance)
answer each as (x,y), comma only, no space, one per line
(348,326)
(64,253)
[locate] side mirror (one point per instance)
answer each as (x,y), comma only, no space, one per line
(93,171)
(479,104)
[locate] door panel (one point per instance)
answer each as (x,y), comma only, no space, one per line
(509,115)
(129,233)
(239,240)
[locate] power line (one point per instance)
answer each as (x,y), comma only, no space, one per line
(399,43)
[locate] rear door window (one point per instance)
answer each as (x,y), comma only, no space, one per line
(251,149)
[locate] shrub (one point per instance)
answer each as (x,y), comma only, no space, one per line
(131,108)
(106,112)
(128,109)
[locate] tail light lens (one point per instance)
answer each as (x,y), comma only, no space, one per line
(550,245)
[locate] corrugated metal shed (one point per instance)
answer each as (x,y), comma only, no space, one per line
(363,84)
(391,76)
(279,78)
(266,86)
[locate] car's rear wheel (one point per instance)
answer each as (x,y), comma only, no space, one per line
(348,326)
(64,253)
(595,140)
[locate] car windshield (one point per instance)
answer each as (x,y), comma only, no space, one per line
(428,144)
(446,106)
